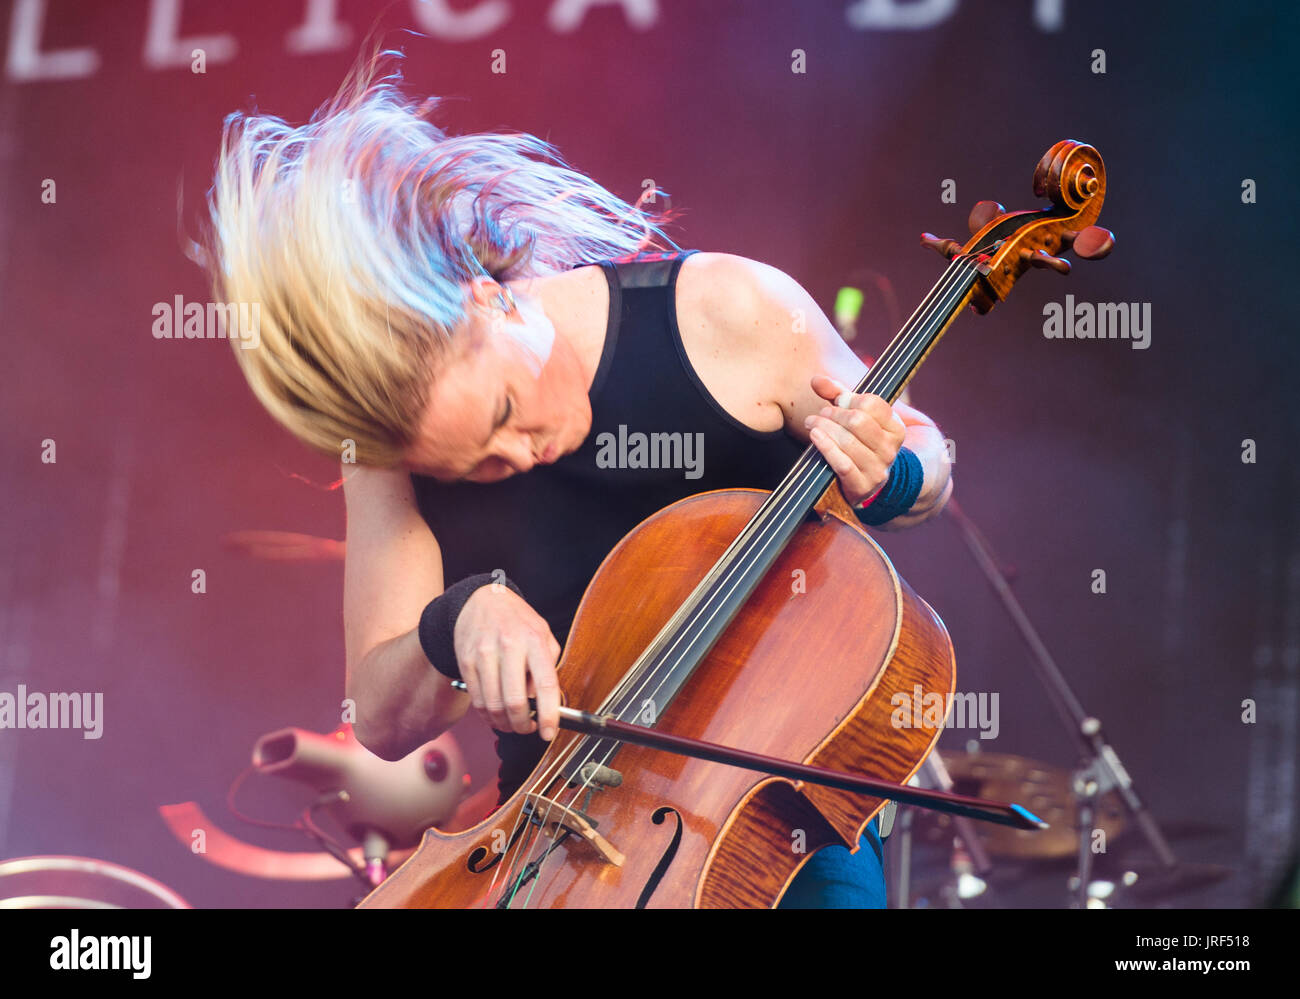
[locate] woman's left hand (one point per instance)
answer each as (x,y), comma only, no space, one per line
(858,434)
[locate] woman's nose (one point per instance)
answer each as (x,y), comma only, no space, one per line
(521,455)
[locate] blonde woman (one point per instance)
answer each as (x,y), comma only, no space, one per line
(484,329)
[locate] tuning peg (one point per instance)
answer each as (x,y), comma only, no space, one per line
(982,214)
(1041,258)
(946,248)
(1091,243)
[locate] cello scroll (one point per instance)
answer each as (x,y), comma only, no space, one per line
(1007,244)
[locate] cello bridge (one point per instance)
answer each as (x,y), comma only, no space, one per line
(553,818)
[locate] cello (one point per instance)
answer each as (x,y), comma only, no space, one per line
(691,627)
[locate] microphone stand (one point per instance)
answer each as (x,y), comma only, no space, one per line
(934,773)
(1101,770)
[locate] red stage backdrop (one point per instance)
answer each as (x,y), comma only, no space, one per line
(818,137)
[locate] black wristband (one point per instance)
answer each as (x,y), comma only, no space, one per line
(438,620)
(906,476)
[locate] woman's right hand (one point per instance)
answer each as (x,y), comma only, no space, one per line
(507,654)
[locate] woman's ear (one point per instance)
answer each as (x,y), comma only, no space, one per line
(484,291)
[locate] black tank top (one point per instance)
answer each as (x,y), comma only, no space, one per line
(550,528)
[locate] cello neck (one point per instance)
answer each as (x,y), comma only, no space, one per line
(922,331)
(811,476)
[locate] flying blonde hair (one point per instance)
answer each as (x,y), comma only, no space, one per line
(356,234)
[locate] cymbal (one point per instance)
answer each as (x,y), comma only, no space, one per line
(1039,787)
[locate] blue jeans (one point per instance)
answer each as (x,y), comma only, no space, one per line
(833,878)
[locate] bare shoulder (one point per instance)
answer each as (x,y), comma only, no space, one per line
(726,331)
(746,301)
(726,287)
(763,324)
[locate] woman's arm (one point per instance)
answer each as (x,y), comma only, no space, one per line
(921,436)
(393,569)
(926,441)
(767,322)
(504,649)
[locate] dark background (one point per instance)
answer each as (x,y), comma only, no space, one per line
(1071,455)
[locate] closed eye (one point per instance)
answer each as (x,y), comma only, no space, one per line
(505,414)
(507,407)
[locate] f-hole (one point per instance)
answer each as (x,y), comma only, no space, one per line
(476,858)
(661,868)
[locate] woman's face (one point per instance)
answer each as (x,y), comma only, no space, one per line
(513,397)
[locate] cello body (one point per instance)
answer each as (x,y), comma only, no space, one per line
(790,668)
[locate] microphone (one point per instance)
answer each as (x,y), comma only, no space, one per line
(397,800)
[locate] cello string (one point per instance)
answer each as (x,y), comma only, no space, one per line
(959,268)
(797,506)
(804,476)
(534,835)
(806,471)
(804,480)
(509,849)
(519,850)
(810,457)
(512,883)
(793,496)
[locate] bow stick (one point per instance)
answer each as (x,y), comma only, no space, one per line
(1002,813)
